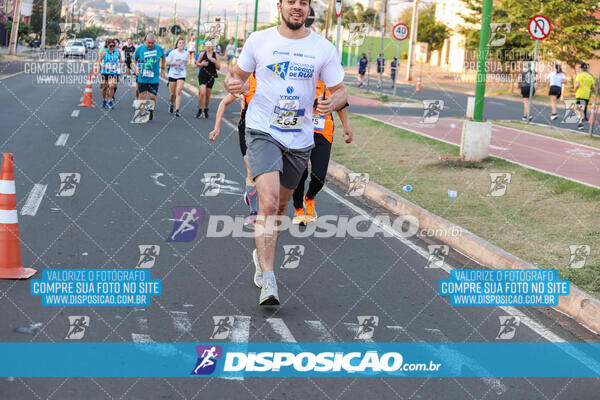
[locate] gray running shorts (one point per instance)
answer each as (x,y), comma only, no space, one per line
(265,154)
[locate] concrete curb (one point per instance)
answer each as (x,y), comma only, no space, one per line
(579,305)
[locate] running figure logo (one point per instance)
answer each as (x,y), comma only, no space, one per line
(77,325)
(215,183)
(68,183)
(357,184)
(291,258)
(437,255)
(148,254)
(186,223)
(366,327)
(223,327)
(499,30)
(279,69)
(579,254)
(207,359)
(431,111)
(500,182)
(508,326)
(357,31)
(571,115)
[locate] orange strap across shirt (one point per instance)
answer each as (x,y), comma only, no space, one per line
(323,124)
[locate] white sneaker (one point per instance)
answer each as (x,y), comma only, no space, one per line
(258,272)
(553,117)
(268,293)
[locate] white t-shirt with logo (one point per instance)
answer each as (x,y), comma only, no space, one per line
(287,71)
(177,71)
(556,78)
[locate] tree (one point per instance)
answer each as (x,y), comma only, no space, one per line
(52,19)
(92,31)
(430,31)
(574,37)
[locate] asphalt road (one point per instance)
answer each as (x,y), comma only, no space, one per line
(132,175)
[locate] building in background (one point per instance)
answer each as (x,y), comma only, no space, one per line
(452,56)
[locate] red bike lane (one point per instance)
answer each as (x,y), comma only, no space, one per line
(576,162)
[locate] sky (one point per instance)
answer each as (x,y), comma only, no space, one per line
(189,8)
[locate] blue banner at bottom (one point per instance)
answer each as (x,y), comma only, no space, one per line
(316,360)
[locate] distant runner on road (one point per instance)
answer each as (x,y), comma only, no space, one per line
(288,60)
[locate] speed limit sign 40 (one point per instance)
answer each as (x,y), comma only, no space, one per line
(400,31)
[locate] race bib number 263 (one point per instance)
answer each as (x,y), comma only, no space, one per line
(287,117)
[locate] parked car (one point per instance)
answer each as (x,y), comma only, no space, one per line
(75,48)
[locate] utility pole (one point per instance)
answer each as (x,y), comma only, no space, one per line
(482,58)
(43,44)
(328,18)
(14,31)
(413,40)
(383,24)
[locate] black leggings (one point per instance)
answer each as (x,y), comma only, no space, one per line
(319,161)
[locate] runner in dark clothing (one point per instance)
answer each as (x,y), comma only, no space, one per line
(209,64)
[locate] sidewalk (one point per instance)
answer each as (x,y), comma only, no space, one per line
(575,162)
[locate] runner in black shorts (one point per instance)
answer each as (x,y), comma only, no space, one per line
(128,49)
(209,64)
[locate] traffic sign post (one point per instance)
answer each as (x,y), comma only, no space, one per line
(400,32)
(539,29)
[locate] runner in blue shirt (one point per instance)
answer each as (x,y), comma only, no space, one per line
(362,69)
(150,59)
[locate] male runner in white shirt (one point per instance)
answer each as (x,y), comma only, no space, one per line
(288,60)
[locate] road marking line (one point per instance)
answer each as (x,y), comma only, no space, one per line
(75,113)
(10,76)
(240,333)
(141,338)
(281,329)
(62,139)
(322,333)
(181,321)
(34,199)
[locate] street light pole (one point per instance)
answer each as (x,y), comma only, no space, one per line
(414,26)
(198,24)
(482,57)
(43,44)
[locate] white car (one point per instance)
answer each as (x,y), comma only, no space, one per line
(101,44)
(75,48)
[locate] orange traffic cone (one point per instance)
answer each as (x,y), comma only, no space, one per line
(10,245)
(418,89)
(87,93)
